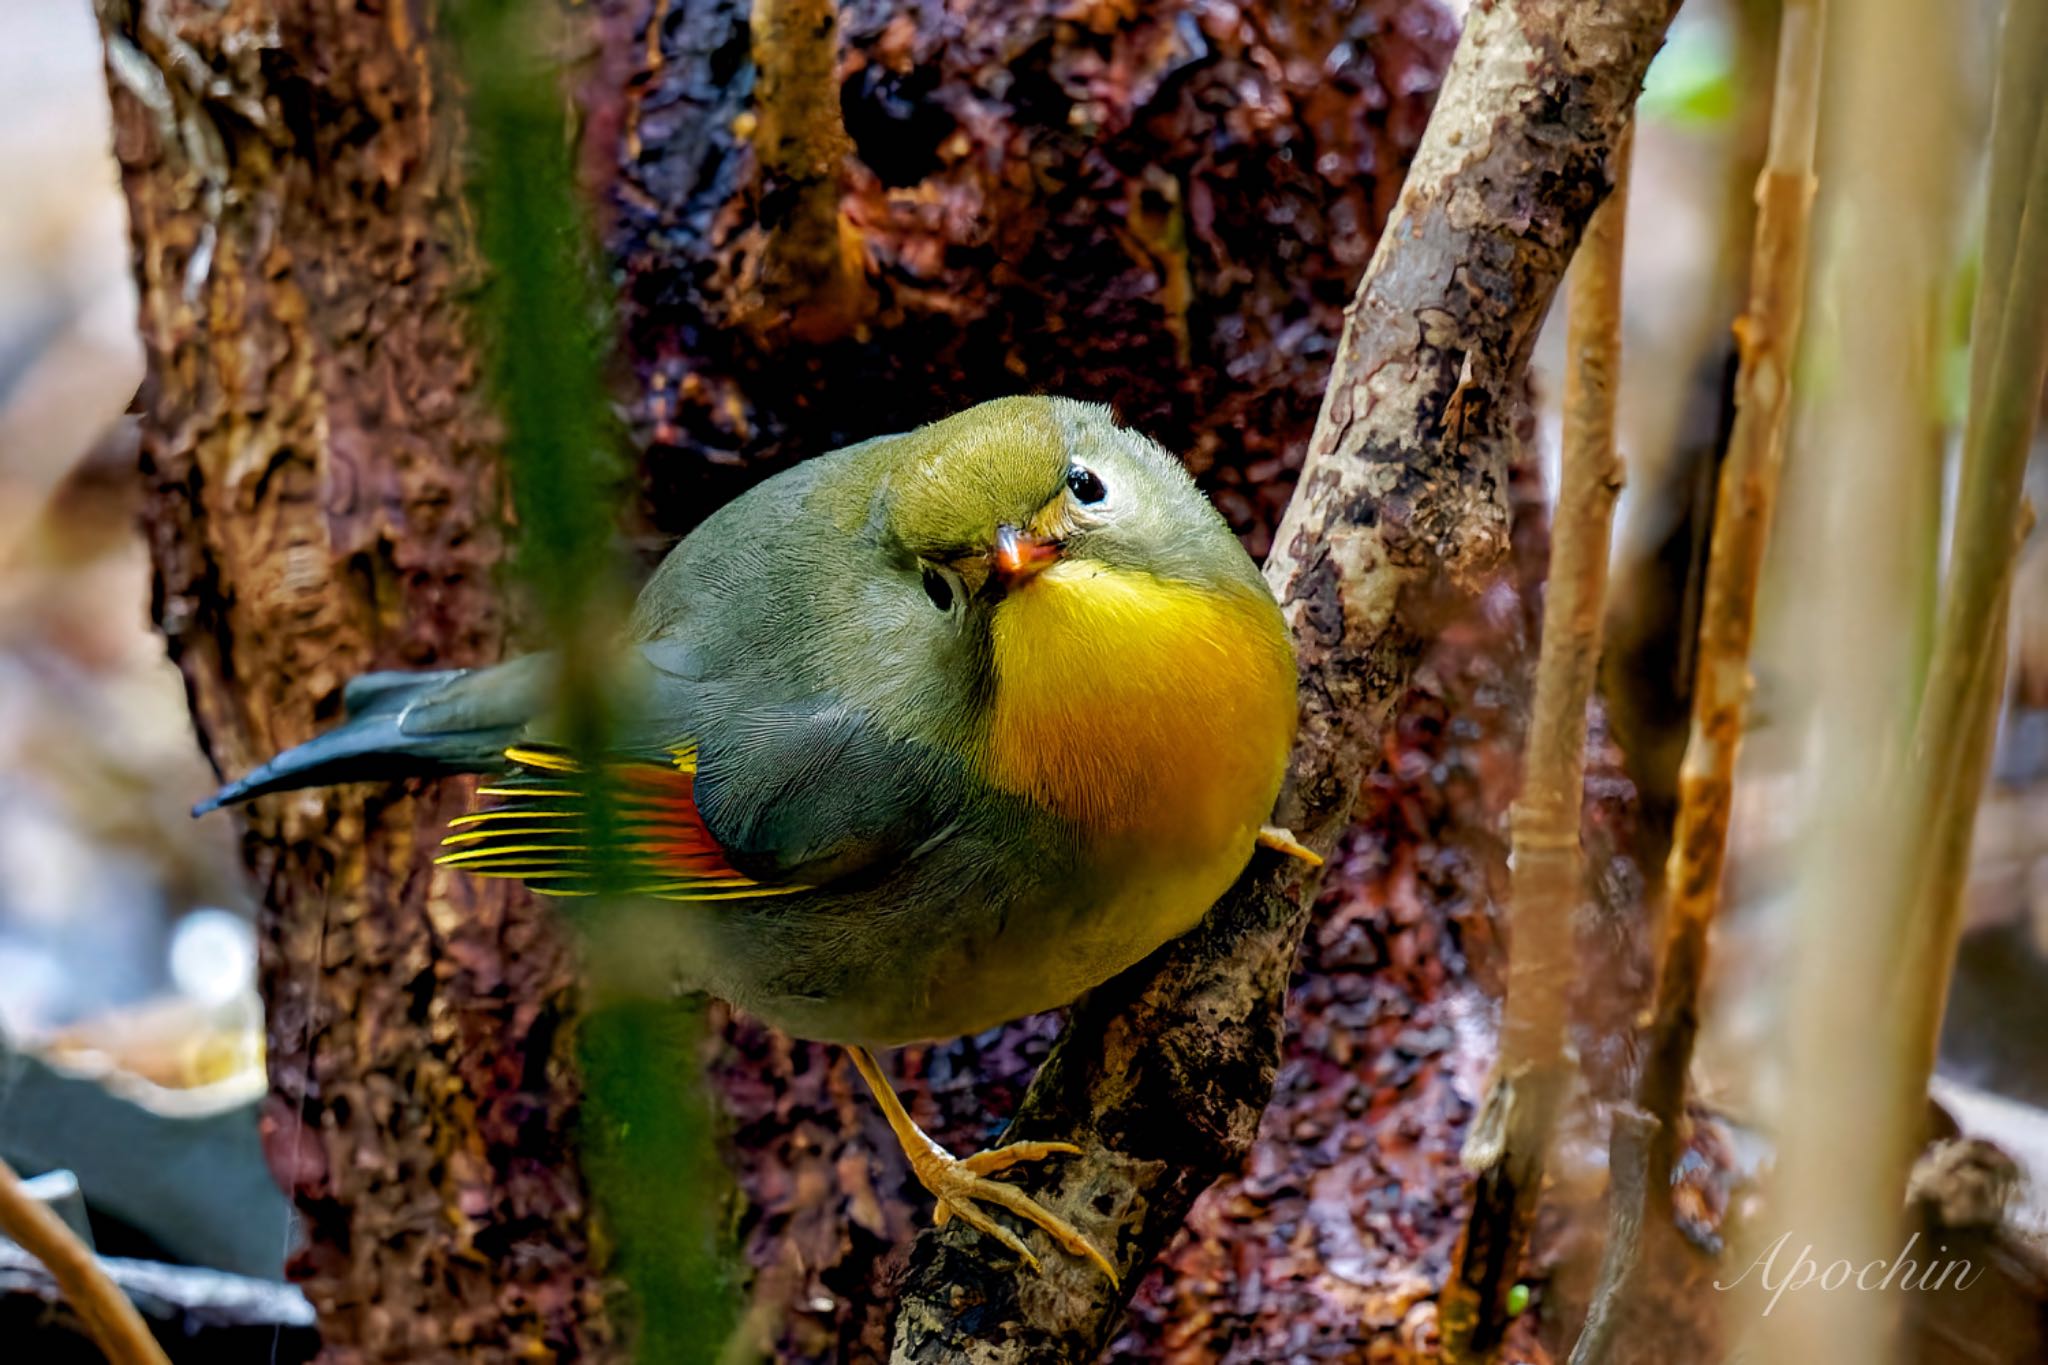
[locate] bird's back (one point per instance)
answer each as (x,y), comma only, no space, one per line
(859,825)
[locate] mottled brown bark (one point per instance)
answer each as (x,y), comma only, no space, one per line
(1161,1075)
(1163,207)
(324,499)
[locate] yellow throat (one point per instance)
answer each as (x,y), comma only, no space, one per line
(1140,707)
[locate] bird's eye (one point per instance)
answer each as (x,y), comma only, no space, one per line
(938,589)
(1086,485)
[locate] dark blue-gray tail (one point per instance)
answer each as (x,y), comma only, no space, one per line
(402,725)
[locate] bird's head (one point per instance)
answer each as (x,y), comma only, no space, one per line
(985,503)
(1124,663)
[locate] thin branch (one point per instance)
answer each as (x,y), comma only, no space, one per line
(1847,1116)
(1510,1139)
(1162,1074)
(1768,335)
(1628,1201)
(115,1325)
(1952,743)
(811,277)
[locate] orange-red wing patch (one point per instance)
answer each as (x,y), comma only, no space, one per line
(539,830)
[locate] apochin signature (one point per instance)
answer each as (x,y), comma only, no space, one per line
(1899,1272)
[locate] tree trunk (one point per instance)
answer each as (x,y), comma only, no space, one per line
(324,499)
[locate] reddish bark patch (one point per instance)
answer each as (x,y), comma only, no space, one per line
(1163,210)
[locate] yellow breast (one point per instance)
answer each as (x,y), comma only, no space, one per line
(1157,711)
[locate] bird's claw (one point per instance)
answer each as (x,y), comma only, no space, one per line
(1281,840)
(999,1159)
(960,1184)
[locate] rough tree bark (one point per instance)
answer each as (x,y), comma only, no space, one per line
(1161,1075)
(325,498)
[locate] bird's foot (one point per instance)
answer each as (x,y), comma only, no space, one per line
(961,1184)
(1281,840)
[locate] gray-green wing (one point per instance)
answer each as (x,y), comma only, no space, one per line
(753,638)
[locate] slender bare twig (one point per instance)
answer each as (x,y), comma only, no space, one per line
(1161,1075)
(1768,334)
(116,1327)
(1510,1139)
(1846,1124)
(2009,343)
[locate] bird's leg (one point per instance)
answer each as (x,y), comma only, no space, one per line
(1281,839)
(962,1183)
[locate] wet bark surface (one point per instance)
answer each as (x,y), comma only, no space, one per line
(1162,207)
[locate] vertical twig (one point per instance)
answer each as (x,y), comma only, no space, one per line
(2009,349)
(810,272)
(1847,1125)
(116,1327)
(1510,1137)
(1768,335)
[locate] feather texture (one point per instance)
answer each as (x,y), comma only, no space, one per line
(539,832)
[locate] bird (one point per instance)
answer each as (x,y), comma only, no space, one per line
(914,738)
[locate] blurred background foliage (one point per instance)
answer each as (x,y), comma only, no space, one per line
(648,1154)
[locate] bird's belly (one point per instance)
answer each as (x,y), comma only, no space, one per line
(1070,947)
(975,971)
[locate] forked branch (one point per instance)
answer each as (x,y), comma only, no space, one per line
(1162,1074)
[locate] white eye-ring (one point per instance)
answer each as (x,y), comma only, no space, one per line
(1086,485)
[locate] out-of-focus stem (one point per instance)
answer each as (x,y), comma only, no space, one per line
(1509,1141)
(646,1136)
(810,275)
(1768,334)
(117,1329)
(2022,85)
(1847,1126)
(2009,353)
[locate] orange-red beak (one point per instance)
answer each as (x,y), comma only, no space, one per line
(1018,555)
